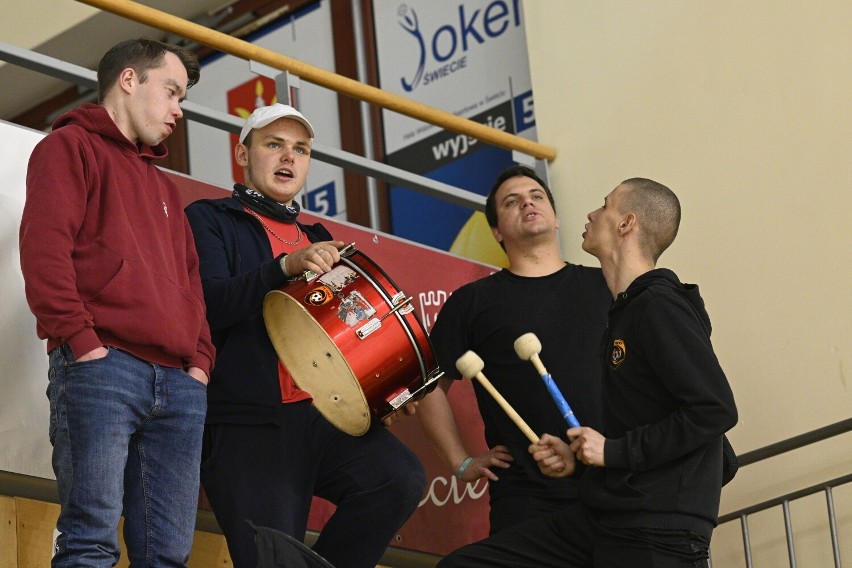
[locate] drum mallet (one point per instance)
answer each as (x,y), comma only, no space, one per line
(528,347)
(470,365)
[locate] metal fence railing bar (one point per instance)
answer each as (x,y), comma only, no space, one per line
(784,501)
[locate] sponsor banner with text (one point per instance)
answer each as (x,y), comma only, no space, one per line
(467,57)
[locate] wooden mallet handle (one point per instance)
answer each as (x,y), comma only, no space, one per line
(470,365)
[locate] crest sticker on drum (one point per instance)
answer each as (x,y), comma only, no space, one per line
(319,296)
(355,308)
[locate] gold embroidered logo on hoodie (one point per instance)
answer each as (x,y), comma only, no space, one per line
(618,353)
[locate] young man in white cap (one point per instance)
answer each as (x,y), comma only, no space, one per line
(267,450)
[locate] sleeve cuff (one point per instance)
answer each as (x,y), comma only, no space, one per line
(84,341)
(615,453)
(203,362)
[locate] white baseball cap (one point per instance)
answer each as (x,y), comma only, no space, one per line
(263,116)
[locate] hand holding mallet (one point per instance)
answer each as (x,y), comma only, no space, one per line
(528,347)
(470,365)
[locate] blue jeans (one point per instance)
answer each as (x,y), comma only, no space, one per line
(126,434)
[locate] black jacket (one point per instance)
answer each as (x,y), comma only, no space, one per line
(666,406)
(237,270)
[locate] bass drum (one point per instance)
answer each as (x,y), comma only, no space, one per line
(351,339)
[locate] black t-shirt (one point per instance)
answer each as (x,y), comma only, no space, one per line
(567,310)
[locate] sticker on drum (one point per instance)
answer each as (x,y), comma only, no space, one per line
(355,308)
(319,296)
(338,277)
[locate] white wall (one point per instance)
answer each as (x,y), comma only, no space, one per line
(25,23)
(744,109)
(24,410)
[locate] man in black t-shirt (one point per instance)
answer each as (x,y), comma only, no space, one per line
(565,306)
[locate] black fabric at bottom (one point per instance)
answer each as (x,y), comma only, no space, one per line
(278,550)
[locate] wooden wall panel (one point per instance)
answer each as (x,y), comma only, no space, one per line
(35,523)
(8,533)
(32,524)
(209,551)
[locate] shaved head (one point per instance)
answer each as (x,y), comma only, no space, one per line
(658,210)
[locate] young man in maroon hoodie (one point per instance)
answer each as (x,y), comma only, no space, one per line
(111,275)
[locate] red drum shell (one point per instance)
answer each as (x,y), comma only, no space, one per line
(351,339)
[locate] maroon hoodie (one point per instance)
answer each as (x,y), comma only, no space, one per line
(106,252)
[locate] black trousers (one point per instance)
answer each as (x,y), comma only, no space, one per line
(511,510)
(574,538)
(268,474)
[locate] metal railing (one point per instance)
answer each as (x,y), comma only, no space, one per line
(230,123)
(343,85)
(784,501)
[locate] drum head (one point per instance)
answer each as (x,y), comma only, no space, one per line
(315,363)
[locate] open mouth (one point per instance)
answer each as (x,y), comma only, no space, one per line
(284,174)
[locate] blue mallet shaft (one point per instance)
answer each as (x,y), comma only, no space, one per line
(561,403)
(528,347)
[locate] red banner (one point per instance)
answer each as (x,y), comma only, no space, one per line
(451,513)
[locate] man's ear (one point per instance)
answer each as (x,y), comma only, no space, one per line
(627,224)
(497,236)
(241,154)
(126,79)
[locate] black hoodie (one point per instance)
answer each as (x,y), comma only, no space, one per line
(666,406)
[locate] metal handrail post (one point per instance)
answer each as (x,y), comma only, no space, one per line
(788,528)
(746,540)
(366,123)
(832,524)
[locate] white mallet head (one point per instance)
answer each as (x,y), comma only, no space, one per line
(527,345)
(470,364)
